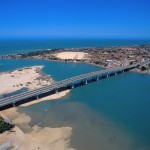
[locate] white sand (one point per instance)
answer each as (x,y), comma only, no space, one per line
(36,138)
(48,98)
(40,138)
(26,77)
(18,79)
(71,55)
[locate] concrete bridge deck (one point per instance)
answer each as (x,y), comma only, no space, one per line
(64,84)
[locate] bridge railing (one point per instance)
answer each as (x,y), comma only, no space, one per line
(73,79)
(59,84)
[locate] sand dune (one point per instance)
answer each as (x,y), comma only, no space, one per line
(71,55)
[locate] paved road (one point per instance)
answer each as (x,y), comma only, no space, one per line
(63,83)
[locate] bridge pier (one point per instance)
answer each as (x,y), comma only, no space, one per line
(56,90)
(37,97)
(85,81)
(14,104)
(72,86)
(72,82)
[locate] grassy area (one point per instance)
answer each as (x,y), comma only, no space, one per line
(4,126)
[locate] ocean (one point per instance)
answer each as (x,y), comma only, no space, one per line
(22,46)
(113,113)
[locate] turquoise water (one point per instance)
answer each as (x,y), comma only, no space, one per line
(21,46)
(110,114)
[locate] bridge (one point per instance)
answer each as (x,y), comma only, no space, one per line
(62,85)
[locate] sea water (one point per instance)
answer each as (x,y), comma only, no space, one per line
(113,113)
(27,45)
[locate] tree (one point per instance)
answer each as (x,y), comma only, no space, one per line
(131,63)
(4,126)
(143,68)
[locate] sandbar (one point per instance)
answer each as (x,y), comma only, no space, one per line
(37,138)
(28,77)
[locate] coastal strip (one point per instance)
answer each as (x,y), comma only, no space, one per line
(106,57)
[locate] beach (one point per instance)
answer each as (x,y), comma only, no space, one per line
(73,112)
(36,137)
(48,98)
(28,77)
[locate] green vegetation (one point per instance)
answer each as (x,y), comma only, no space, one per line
(4,126)
(131,63)
(143,68)
(38,53)
(98,63)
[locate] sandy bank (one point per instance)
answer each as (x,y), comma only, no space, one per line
(35,137)
(48,98)
(39,138)
(29,77)
(71,55)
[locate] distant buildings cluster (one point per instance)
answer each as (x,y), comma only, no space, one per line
(109,57)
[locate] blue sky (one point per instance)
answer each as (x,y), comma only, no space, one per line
(78,18)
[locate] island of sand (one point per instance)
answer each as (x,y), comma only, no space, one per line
(28,77)
(36,138)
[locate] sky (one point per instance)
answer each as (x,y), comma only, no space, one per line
(75,19)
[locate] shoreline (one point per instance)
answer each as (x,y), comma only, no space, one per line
(105,57)
(55,138)
(35,79)
(47,98)
(27,77)
(77,62)
(33,137)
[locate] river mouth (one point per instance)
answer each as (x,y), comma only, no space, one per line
(99,120)
(90,129)
(109,114)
